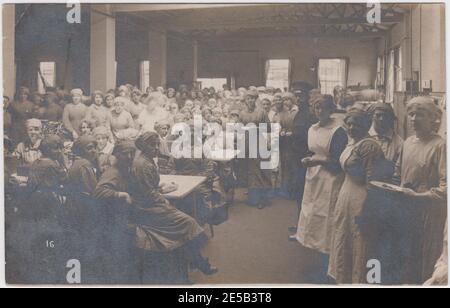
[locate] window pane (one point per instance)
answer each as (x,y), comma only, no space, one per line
(277,74)
(47,76)
(144,71)
(332,73)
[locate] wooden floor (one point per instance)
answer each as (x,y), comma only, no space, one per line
(252,247)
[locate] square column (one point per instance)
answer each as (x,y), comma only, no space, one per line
(158,58)
(103,48)
(8,30)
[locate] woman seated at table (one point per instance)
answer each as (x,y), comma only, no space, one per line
(115,202)
(47,174)
(81,183)
(160,226)
(28,151)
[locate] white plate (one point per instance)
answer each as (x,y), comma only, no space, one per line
(387,186)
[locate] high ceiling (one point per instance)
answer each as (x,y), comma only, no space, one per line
(267,20)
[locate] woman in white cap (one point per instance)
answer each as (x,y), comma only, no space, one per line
(266,104)
(74,113)
(327,140)
(28,151)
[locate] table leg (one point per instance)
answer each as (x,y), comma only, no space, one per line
(211,227)
(194,210)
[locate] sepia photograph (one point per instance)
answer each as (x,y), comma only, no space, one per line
(224,144)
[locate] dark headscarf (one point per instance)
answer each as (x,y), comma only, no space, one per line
(253,93)
(123,147)
(325,100)
(79,146)
(387,108)
(362,117)
(145,139)
(50,142)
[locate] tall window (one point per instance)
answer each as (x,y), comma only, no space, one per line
(46,76)
(379,80)
(216,83)
(144,77)
(332,73)
(277,73)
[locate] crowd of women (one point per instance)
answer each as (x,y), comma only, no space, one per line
(92,167)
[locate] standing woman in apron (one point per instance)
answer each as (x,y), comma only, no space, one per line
(327,140)
(348,253)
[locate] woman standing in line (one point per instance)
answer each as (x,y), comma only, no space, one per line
(349,245)
(423,172)
(324,178)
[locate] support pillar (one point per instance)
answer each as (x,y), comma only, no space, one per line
(158,58)
(8,30)
(103,48)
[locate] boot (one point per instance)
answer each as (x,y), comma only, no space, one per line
(205,267)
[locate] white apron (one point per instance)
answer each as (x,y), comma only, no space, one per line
(321,191)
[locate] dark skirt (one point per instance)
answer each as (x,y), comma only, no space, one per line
(162,227)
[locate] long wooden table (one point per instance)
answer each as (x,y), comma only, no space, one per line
(186,185)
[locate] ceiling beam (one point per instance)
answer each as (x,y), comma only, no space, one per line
(346,35)
(264,23)
(123,8)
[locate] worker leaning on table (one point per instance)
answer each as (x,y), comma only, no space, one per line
(161,227)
